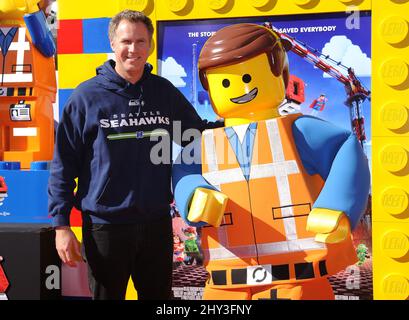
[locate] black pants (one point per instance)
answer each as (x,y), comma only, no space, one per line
(116,252)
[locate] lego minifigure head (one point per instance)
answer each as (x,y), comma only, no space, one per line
(245,69)
(189,230)
(176,239)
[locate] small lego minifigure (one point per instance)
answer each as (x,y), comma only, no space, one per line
(318,105)
(178,251)
(191,248)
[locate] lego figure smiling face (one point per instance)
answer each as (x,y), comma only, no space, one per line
(244,67)
(247,90)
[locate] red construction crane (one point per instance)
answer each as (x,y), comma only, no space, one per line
(356,93)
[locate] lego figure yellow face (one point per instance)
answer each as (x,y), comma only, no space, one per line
(247,90)
(245,69)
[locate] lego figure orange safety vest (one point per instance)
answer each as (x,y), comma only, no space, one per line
(27,82)
(276,196)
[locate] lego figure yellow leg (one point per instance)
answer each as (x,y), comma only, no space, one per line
(319,289)
(226,294)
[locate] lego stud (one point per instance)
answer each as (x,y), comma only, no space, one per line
(395,244)
(10,165)
(260,3)
(394,116)
(305,3)
(137,5)
(217,4)
(395,287)
(394,30)
(400,1)
(394,158)
(40,165)
(394,201)
(177,5)
(351,2)
(394,72)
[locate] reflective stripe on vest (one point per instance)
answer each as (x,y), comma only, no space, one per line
(264,249)
(280,169)
(21,46)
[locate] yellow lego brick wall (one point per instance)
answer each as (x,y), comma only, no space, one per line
(75,9)
(390,126)
(190,9)
(71,77)
(390,76)
(160,10)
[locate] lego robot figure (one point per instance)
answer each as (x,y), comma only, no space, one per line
(318,105)
(27,82)
(276,196)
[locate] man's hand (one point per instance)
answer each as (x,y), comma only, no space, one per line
(67,246)
(24,6)
(331,226)
(207,206)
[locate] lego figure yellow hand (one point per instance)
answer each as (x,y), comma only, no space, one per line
(331,226)
(24,6)
(207,206)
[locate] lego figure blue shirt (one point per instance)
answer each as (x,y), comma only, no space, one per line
(98,142)
(324,149)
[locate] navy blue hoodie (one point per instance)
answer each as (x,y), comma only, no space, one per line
(117,181)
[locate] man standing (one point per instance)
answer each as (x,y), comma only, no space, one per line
(104,139)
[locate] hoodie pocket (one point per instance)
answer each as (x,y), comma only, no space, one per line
(103,190)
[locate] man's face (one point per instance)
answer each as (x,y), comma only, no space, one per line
(131,46)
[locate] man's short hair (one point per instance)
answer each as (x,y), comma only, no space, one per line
(240,42)
(132,16)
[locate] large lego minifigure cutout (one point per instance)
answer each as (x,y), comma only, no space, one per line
(276,196)
(27,82)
